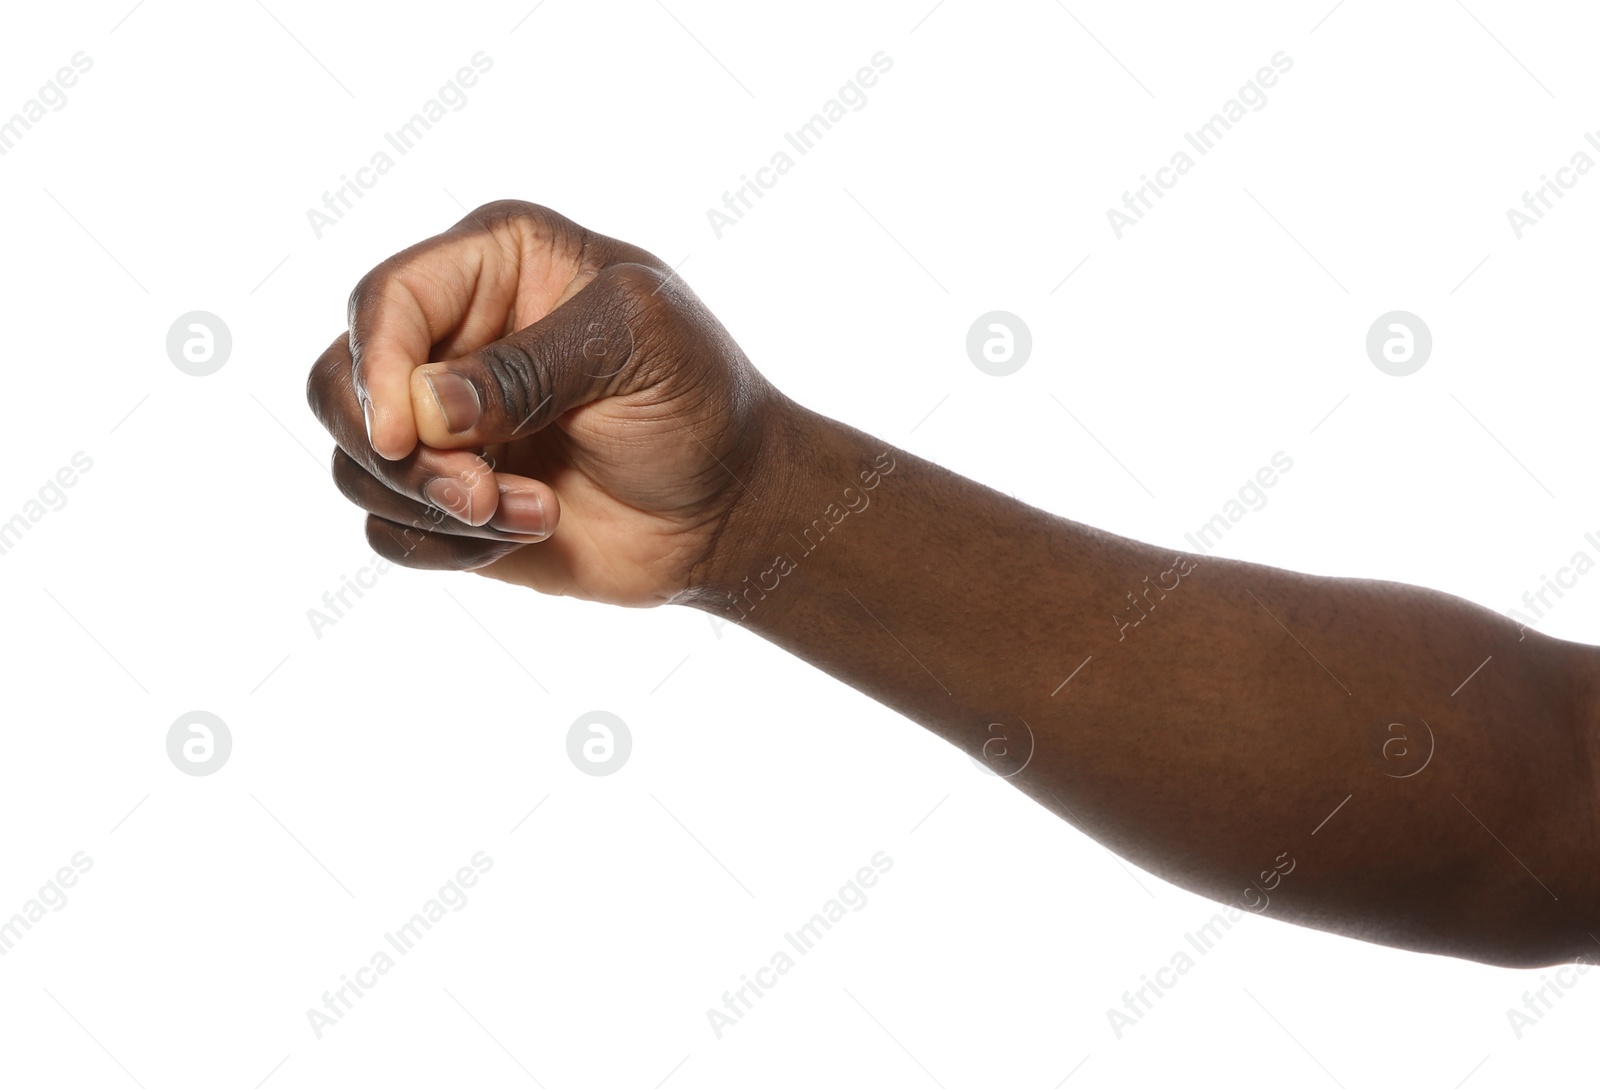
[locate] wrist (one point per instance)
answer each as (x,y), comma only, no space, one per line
(809,475)
(787,436)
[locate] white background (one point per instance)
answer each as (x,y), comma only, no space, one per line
(372,762)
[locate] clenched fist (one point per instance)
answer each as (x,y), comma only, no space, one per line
(525,398)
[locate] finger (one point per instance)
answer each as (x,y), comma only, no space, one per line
(461,482)
(427,550)
(527,512)
(503,266)
(518,384)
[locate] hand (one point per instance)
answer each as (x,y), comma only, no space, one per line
(543,405)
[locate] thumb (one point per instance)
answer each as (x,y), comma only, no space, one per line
(517,385)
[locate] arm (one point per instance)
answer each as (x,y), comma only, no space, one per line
(1227,709)
(571,418)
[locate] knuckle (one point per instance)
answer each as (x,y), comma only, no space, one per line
(425,549)
(323,385)
(523,219)
(381,537)
(641,298)
(406,546)
(641,285)
(313,391)
(483,553)
(386,284)
(659,313)
(628,253)
(498,211)
(367,289)
(513,382)
(349,476)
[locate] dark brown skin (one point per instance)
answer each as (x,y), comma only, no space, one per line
(1209,742)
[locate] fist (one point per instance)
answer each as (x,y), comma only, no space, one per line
(527,399)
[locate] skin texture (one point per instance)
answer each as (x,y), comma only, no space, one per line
(1289,744)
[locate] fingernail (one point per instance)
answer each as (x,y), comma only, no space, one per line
(458,400)
(519,512)
(366,412)
(449,496)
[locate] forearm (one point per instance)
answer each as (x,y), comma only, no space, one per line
(1217,711)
